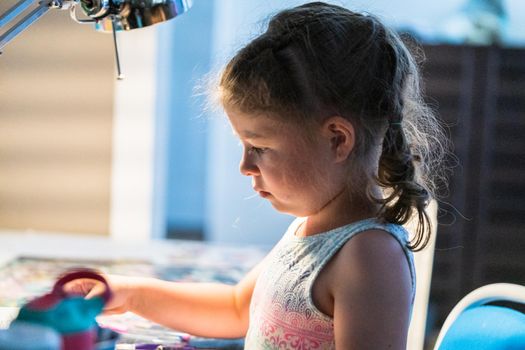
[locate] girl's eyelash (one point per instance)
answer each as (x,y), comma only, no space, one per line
(251,149)
(257,150)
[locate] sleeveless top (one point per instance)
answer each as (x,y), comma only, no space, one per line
(282,312)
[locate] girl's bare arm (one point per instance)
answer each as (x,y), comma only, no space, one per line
(203,309)
(371,291)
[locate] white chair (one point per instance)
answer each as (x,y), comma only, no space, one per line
(423,263)
(473,325)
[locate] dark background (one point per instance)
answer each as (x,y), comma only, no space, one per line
(480,93)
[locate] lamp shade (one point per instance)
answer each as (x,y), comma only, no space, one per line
(132,14)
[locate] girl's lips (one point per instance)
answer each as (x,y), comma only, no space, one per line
(264,194)
(261,193)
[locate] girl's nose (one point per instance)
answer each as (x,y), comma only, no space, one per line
(247,166)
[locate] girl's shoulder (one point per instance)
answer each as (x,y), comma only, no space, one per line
(376,258)
(374,244)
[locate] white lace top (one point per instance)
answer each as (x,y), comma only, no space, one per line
(282,312)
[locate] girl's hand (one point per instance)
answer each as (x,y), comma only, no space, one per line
(122,287)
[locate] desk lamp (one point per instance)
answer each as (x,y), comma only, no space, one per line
(106,15)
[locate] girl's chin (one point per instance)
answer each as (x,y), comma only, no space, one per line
(283,208)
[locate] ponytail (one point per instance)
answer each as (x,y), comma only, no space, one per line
(397,174)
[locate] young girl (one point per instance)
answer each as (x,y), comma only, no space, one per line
(327,106)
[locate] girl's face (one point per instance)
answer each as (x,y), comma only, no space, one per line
(298,176)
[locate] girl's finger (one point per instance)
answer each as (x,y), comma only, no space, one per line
(80,286)
(96,290)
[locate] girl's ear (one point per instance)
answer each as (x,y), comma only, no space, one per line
(340,133)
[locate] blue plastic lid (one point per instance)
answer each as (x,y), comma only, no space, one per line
(28,336)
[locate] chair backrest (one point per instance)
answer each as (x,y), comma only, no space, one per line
(473,325)
(423,263)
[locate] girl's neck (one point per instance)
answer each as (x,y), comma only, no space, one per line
(343,209)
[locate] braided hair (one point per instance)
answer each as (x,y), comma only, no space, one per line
(317,60)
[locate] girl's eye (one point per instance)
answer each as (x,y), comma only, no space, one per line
(257,150)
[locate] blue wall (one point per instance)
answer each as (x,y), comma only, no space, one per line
(184,59)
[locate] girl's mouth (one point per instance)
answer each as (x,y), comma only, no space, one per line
(264,194)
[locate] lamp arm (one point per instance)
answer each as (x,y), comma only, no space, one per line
(14,11)
(30,18)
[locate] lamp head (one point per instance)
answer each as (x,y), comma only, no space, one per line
(131,14)
(108,15)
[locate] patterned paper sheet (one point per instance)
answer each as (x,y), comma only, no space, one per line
(26,277)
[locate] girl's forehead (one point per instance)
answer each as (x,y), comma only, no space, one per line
(269,127)
(258,125)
